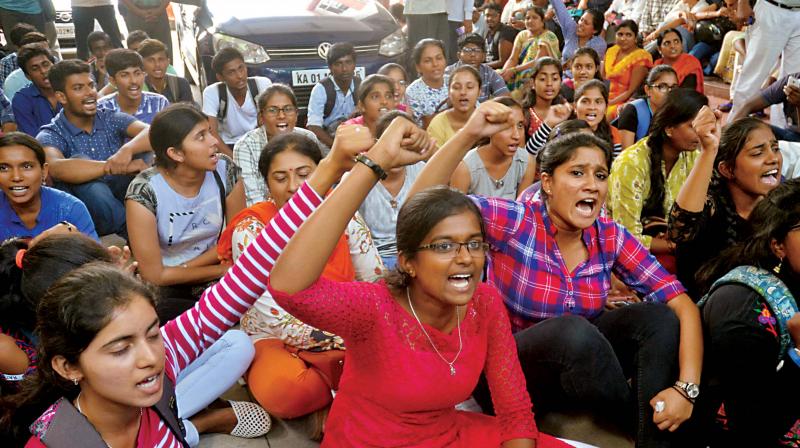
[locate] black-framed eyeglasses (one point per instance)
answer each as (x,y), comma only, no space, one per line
(471,50)
(288,110)
(450,249)
(664,88)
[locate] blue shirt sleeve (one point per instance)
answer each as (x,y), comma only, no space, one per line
(774,93)
(121,121)
(23,114)
(497,87)
(568,25)
(80,217)
(49,137)
(316,105)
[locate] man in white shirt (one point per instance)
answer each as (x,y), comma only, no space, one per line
(236,114)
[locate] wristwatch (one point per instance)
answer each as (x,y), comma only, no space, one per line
(692,390)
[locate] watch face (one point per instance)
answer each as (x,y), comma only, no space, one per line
(693,390)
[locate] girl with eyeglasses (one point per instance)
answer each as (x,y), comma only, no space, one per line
(177,209)
(712,208)
(634,118)
(553,260)
(277,115)
(688,68)
(417,341)
(646,178)
(499,167)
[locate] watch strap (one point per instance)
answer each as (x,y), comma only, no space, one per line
(361,158)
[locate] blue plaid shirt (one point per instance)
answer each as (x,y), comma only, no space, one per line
(7,65)
(149,106)
(109,132)
(6,113)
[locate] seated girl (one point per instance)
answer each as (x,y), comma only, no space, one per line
(464,88)
(383,203)
(282,382)
(634,118)
(585,65)
(532,43)
(688,68)
(543,92)
(591,101)
(427,94)
(399,76)
(750,339)
(626,66)
(27,207)
(57,254)
(646,178)
(552,261)
(277,114)
(375,97)
(125,390)
(712,207)
(177,209)
(500,167)
(418,341)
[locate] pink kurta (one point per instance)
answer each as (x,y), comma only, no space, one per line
(396,391)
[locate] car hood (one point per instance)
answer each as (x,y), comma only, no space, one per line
(300,22)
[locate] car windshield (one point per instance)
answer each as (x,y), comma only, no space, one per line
(241,9)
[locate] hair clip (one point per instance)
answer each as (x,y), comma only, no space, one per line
(20,255)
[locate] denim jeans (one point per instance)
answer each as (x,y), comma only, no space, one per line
(210,375)
(105,199)
(571,363)
(702,51)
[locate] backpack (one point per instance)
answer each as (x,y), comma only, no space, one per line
(330,94)
(643,116)
(222,91)
(174,87)
(776,295)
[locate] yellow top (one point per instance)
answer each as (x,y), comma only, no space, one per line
(440,129)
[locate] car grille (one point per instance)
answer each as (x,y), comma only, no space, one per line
(287,54)
(303,93)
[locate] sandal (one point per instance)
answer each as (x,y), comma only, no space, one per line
(252,420)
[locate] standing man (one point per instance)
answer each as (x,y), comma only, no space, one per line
(35,105)
(84,13)
(86,148)
(13,12)
(333,99)
(427,19)
(459,15)
(499,37)
(149,16)
(775,32)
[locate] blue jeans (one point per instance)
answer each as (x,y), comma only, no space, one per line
(702,51)
(210,375)
(105,199)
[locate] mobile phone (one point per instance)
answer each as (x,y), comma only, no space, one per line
(794,82)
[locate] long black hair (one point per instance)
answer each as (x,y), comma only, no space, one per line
(681,106)
(771,219)
(603,128)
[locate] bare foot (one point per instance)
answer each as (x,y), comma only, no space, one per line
(215,420)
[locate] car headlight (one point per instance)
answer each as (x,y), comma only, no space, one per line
(253,53)
(393,44)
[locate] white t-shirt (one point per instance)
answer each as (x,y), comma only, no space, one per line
(239,119)
(511,6)
(682,7)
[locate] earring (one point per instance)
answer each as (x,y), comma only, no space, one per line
(75,381)
(411,274)
(777,268)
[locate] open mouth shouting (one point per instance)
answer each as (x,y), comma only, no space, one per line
(771,178)
(587,208)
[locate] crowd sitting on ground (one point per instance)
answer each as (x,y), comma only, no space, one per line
(543,213)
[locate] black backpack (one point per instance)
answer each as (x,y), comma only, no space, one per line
(222,91)
(330,94)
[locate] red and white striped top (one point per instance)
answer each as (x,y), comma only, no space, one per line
(219,308)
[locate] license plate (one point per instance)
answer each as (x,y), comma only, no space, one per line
(65,31)
(313,76)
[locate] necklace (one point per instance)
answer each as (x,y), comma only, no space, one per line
(460,343)
(498,184)
(78,407)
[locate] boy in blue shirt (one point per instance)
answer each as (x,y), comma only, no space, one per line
(126,72)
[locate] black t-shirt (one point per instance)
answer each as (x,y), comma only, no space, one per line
(505,32)
(628,119)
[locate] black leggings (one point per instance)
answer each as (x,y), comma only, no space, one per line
(572,363)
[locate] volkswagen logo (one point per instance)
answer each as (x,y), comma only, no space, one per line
(323,49)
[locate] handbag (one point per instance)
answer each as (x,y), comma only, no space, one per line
(328,363)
